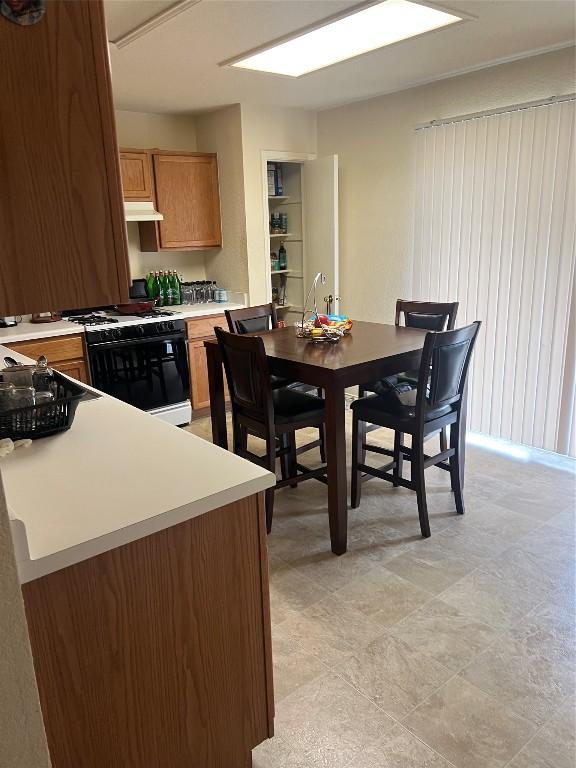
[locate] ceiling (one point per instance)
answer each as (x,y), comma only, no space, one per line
(175,66)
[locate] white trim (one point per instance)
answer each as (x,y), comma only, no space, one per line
(274,156)
(156,21)
(498,111)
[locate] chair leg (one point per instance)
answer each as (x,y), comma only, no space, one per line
(417,470)
(284,457)
(269,505)
(269,493)
(455,476)
(292,459)
(443,440)
(322,436)
(239,438)
(358,457)
(398,456)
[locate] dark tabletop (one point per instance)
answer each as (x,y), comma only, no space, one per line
(367,342)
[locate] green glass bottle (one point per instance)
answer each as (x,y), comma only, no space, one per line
(176,294)
(159,287)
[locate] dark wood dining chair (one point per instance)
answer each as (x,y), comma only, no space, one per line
(273,415)
(435,404)
(429,316)
(258,319)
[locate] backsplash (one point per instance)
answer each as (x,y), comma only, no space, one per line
(190,264)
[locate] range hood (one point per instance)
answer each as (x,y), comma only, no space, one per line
(141,211)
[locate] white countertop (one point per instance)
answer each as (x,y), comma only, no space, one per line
(117,475)
(26,331)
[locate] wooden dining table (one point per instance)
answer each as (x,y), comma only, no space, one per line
(370,352)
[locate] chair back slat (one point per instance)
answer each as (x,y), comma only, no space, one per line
(428,315)
(444,366)
(247,375)
(255,319)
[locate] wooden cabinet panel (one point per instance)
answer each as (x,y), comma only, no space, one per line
(199,390)
(198,330)
(187,196)
(62,230)
(55,348)
(203,327)
(136,170)
(64,353)
(76,369)
(158,653)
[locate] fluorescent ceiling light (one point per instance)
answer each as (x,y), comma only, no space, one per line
(338,39)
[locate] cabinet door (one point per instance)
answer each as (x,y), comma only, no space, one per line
(62,229)
(76,369)
(136,171)
(187,196)
(320,227)
(199,391)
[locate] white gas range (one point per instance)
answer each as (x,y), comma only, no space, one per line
(140,359)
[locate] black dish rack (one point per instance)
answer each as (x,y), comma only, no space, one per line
(34,421)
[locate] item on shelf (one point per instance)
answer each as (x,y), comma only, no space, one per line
(271,181)
(282,258)
(284,223)
(274,262)
(278,187)
(274,295)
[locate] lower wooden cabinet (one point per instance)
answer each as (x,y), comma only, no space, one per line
(157,654)
(64,353)
(199,330)
(76,369)
(199,392)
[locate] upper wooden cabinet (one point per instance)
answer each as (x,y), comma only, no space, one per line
(62,229)
(136,169)
(187,195)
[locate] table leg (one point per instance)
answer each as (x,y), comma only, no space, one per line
(336,461)
(216,388)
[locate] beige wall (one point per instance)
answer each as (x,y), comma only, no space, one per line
(22,738)
(267,128)
(142,130)
(221,132)
(375,143)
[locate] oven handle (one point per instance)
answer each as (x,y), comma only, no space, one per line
(122,343)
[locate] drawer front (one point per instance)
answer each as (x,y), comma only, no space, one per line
(56,349)
(203,327)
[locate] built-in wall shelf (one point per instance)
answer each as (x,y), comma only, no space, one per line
(279,307)
(278,197)
(280,234)
(281,271)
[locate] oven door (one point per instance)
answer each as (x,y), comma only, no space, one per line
(148,373)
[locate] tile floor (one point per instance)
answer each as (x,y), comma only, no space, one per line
(456,651)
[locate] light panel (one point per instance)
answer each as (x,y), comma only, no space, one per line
(365,30)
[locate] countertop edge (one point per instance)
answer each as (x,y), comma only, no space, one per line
(29,570)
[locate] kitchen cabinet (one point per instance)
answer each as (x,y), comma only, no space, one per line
(199,331)
(136,171)
(62,230)
(187,195)
(158,653)
(64,353)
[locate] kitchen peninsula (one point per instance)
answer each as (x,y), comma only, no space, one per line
(142,555)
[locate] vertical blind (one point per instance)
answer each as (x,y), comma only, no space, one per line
(495,230)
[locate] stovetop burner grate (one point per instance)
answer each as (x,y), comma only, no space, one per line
(92,319)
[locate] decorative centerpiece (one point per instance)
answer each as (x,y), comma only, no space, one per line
(320,328)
